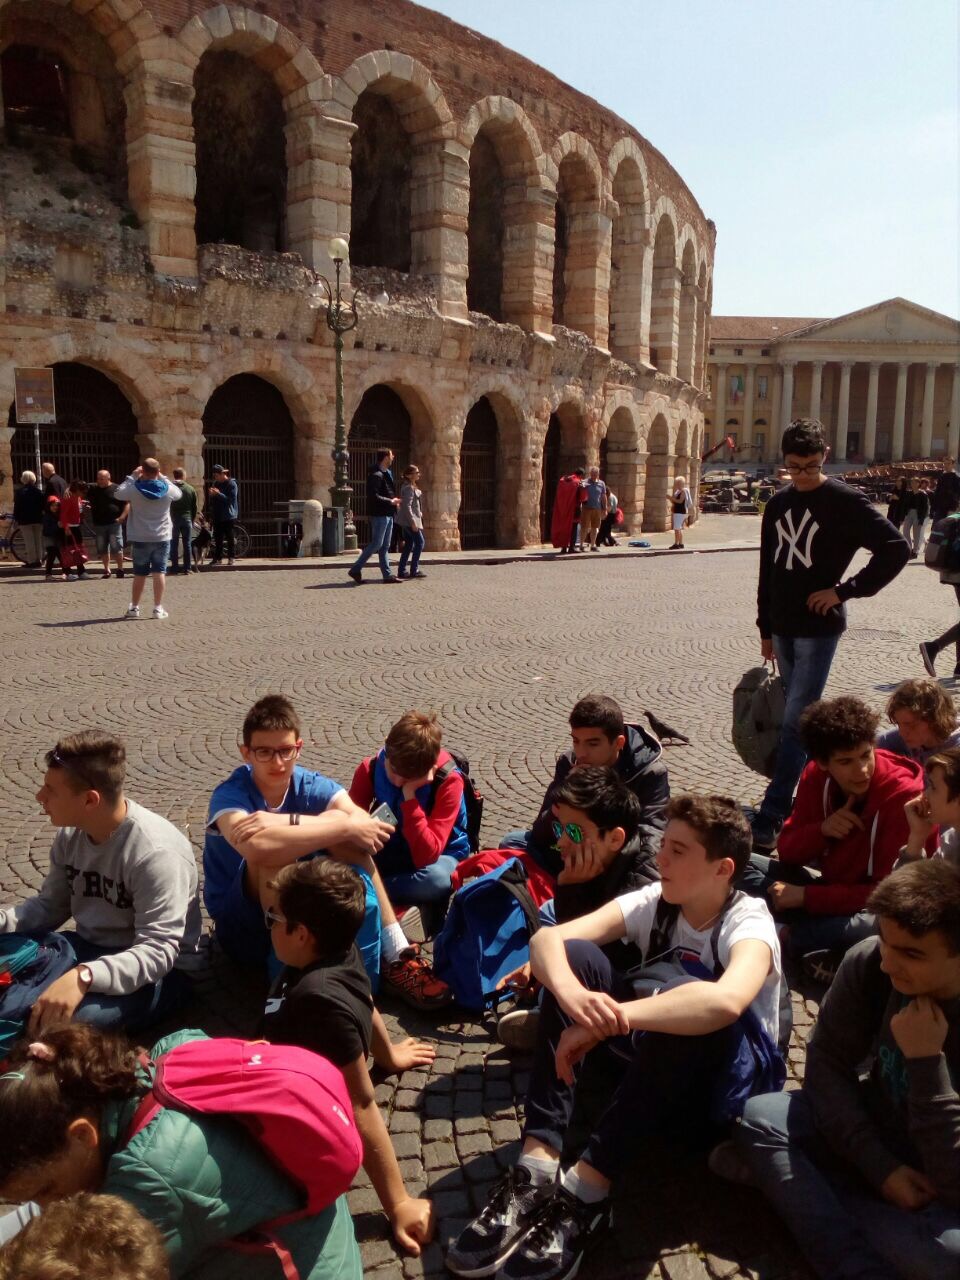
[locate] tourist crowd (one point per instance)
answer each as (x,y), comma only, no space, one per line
(659,934)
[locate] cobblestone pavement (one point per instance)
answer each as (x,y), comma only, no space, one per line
(502,653)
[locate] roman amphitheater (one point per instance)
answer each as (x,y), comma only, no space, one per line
(535,276)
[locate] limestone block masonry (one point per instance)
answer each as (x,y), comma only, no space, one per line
(130,134)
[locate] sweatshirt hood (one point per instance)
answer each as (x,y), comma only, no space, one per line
(154,489)
(639,752)
(892,776)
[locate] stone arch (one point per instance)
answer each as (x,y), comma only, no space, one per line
(61,78)
(687,327)
(513,524)
(127,26)
(663,308)
(681,449)
(630,259)
(581,252)
(520,281)
(658,478)
(621,462)
(479,477)
(290,62)
(564,449)
(699,375)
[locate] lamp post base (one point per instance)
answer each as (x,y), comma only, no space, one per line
(340,496)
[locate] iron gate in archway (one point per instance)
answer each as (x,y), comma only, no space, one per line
(478,478)
(380,422)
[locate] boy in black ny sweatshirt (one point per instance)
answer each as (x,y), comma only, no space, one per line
(811,531)
(866,1173)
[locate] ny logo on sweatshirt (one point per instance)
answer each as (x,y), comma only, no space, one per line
(95,885)
(789,537)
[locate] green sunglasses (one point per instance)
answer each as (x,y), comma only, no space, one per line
(573,831)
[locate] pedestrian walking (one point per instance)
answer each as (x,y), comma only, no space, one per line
(897,509)
(946,493)
(594,509)
(183,512)
(916,508)
(52,538)
(409,518)
(28,513)
(681,503)
(224,498)
(53,484)
(382,504)
(150,529)
(108,516)
(72,553)
(811,531)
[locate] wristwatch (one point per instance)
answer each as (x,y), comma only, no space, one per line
(85,974)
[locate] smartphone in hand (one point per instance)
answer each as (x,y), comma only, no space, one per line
(385,814)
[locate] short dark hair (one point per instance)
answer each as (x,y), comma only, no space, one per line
(597,711)
(603,796)
(948,762)
(836,724)
(179,473)
(327,897)
(720,826)
(922,897)
(384,453)
(93,760)
(804,437)
(271,712)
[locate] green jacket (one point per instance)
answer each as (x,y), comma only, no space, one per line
(187,504)
(202,1180)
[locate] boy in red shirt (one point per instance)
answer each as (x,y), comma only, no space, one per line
(430,835)
(842,838)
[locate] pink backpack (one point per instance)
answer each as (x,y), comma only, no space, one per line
(294,1103)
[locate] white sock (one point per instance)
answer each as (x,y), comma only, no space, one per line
(392,941)
(543,1169)
(588,1192)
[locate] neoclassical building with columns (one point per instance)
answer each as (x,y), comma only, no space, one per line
(885,382)
(536,277)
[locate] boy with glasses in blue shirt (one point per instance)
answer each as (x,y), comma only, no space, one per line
(811,531)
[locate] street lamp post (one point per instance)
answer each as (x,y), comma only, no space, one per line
(342,316)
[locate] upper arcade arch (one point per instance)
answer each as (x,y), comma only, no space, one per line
(581,261)
(664,308)
(687,325)
(630,255)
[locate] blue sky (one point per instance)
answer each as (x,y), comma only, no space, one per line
(820,135)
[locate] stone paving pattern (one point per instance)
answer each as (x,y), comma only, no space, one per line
(501,653)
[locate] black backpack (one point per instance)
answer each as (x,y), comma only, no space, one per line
(942,551)
(473,797)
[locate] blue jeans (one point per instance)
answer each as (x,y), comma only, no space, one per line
(381,531)
(805,932)
(412,542)
(804,663)
(845,1229)
(182,532)
(135,1011)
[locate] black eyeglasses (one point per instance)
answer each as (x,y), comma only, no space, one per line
(263,755)
(811,469)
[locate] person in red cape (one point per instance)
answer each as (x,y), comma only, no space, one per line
(566,511)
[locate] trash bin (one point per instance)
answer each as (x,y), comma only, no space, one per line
(332,543)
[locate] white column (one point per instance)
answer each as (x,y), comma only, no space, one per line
(786,407)
(776,427)
(843,412)
(870,428)
(720,398)
(748,404)
(896,451)
(926,423)
(816,382)
(953,433)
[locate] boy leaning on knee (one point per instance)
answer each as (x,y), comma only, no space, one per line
(322,1002)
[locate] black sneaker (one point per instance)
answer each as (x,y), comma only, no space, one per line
(355,574)
(822,965)
(553,1248)
(928,655)
(765,835)
(491,1237)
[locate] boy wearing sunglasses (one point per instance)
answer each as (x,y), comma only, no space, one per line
(272,811)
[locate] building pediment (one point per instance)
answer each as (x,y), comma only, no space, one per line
(895,321)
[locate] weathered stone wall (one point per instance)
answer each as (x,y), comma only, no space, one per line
(124,287)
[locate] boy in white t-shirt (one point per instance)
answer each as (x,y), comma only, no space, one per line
(540,1220)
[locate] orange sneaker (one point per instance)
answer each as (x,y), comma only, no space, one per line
(412,979)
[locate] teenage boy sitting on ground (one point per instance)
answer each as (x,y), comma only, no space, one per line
(322,1001)
(598,835)
(129,880)
(938,807)
(270,812)
(924,718)
(539,1219)
(600,737)
(431,836)
(867,1174)
(848,823)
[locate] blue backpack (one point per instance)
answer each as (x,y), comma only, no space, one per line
(28,964)
(486,935)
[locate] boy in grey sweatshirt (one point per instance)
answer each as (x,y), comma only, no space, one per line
(866,1173)
(149,529)
(128,878)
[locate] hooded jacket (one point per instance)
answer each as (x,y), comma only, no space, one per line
(640,765)
(202,1180)
(851,866)
(149,498)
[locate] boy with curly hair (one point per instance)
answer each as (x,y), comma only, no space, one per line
(842,838)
